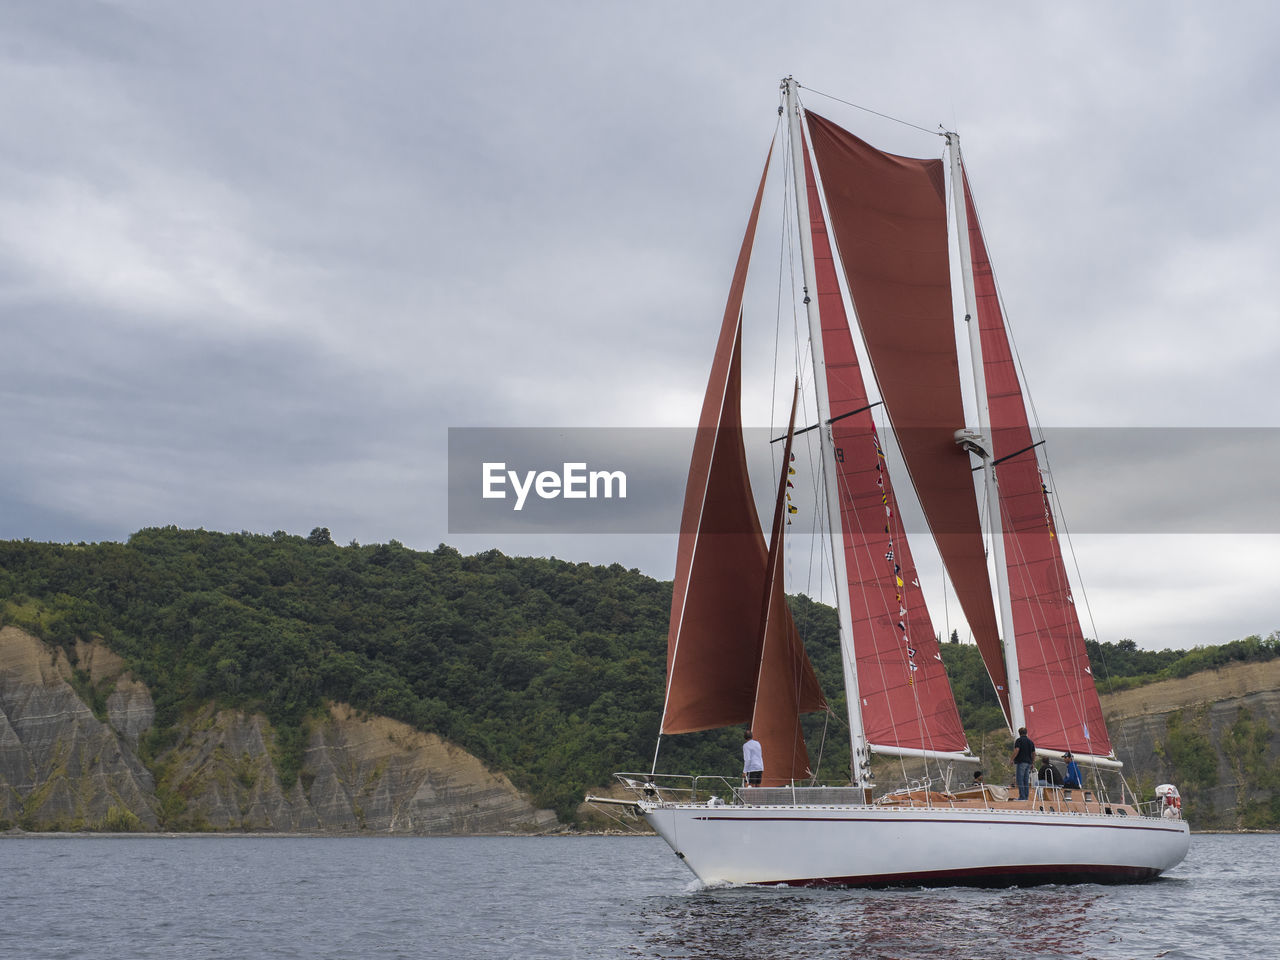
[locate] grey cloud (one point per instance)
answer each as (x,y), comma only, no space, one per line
(254,261)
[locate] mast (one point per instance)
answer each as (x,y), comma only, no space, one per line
(979,441)
(860,760)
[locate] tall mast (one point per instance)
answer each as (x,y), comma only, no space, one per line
(980,441)
(860,763)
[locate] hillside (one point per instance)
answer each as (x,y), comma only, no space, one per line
(547,674)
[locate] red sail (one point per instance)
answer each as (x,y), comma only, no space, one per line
(889,219)
(906,697)
(1058,692)
(787,685)
(713,643)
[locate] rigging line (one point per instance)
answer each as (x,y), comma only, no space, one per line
(1009,456)
(821,534)
(816,535)
(814,426)
(1061,525)
(777,323)
(924,619)
(1080,698)
(946,614)
(884,116)
(1008,326)
(882,659)
(1042,630)
(1075,562)
(772,574)
(1076,686)
(822,743)
(784,256)
(618,820)
(900,543)
(799,334)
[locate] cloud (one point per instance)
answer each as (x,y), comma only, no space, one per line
(255,261)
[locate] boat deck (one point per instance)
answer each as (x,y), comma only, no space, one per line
(1042,799)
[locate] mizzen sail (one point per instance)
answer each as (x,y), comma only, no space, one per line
(1058,692)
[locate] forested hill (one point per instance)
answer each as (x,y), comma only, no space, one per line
(551,672)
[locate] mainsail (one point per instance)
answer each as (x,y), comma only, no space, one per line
(1058,693)
(905,696)
(889,219)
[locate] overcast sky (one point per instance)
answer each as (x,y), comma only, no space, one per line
(257,258)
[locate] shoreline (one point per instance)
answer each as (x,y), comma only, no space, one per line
(19,834)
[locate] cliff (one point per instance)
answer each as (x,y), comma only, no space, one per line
(1214,735)
(78,750)
(75,754)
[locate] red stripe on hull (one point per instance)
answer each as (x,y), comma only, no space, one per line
(1005,876)
(1021,823)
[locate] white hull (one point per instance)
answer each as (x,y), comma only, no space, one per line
(870,846)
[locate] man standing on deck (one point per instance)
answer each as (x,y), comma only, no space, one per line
(1024,757)
(752,761)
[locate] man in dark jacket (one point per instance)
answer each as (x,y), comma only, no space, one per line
(1024,758)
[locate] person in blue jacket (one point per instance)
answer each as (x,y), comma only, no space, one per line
(1073,778)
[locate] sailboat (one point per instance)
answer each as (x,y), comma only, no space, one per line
(734,654)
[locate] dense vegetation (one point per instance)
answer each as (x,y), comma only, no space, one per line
(547,670)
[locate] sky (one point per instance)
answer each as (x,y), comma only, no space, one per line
(257,260)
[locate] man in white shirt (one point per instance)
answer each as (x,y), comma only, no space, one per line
(752,761)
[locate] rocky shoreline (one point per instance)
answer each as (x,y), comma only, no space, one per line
(65,767)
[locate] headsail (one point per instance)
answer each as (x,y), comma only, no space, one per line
(714,641)
(906,699)
(787,685)
(712,646)
(1058,693)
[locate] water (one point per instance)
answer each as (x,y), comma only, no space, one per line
(584,897)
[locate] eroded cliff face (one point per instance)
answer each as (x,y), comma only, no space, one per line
(60,764)
(63,766)
(359,774)
(1214,734)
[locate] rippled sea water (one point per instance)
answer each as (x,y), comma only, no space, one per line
(571,897)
